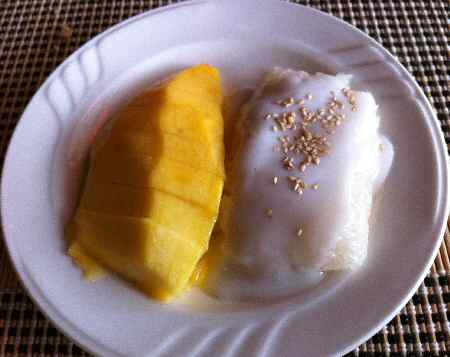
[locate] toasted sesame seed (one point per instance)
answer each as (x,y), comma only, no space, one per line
(353,109)
(285,102)
(269,212)
(287,163)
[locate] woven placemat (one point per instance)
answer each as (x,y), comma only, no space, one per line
(36,36)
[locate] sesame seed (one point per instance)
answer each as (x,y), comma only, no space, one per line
(269,212)
(288,163)
(299,232)
(381,147)
(285,102)
(275,180)
(274,128)
(315,186)
(309,96)
(268,116)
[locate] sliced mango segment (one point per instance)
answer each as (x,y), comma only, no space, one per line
(169,211)
(151,256)
(191,184)
(187,120)
(166,146)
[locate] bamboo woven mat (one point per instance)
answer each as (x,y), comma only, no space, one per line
(37,35)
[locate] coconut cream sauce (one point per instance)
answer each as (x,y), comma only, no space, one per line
(282,234)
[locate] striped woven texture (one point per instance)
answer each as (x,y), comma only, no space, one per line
(37,35)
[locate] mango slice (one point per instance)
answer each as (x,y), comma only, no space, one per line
(154,186)
(170,147)
(172,176)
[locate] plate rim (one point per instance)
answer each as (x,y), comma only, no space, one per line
(95,347)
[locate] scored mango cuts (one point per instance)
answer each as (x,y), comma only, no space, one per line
(152,193)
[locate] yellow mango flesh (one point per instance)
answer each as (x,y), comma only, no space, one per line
(154,186)
(167,210)
(93,270)
(151,256)
(182,119)
(171,147)
(146,172)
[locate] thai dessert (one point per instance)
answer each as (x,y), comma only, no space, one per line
(304,163)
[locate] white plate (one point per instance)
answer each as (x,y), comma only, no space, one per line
(242,38)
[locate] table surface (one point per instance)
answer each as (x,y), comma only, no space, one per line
(37,35)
